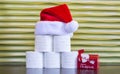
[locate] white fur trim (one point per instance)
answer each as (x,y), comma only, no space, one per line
(71,26)
(50,28)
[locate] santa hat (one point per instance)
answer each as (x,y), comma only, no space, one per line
(59,15)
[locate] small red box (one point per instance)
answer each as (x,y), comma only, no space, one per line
(87,61)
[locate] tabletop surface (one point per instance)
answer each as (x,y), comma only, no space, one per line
(23,70)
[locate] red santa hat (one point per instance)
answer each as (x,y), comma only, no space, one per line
(60,13)
(57,13)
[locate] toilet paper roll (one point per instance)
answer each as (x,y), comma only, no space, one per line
(51,71)
(69,59)
(43,43)
(34,59)
(68,71)
(62,43)
(51,60)
(34,71)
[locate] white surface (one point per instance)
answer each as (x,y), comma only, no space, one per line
(43,43)
(34,71)
(51,60)
(51,71)
(69,59)
(62,43)
(68,71)
(34,59)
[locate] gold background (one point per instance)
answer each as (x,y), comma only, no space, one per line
(99,28)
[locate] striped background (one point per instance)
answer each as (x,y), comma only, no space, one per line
(99,29)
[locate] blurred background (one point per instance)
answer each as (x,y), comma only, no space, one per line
(99,28)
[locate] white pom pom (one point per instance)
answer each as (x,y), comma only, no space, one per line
(71,27)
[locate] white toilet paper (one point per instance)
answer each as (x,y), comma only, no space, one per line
(51,60)
(69,59)
(34,71)
(34,59)
(68,71)
(62,43)
(43,43)
(51,71)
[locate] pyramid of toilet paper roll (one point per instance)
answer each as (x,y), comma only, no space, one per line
(52,52)
(52,40)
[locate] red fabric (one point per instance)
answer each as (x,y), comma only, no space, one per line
(57,13)
(88,64)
